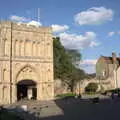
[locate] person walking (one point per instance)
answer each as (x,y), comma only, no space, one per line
(112,96)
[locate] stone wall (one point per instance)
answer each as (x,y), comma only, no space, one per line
(62,87)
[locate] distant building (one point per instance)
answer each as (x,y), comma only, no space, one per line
(108,68)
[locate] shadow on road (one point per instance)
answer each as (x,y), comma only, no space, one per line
(75,109)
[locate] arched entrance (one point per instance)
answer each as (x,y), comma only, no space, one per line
(26,89)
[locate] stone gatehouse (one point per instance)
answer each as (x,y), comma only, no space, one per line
(26,62)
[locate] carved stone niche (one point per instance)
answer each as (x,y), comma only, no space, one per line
(27,40)
(49,85)
(38,42)
(49,70)
(37,65)
(17,65)
(27,70)
(21,41)
(5,39)
(4,86)
(48,43)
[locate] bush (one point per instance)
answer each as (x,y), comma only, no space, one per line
(91,87)
(117,90)
(65,95)
(89,93)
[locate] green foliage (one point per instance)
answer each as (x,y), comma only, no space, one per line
(117,90)
(66,95)
(90,93)
(91,87)
(75,56)
(64,68)
(62,61)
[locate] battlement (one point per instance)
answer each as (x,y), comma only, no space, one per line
(24,27)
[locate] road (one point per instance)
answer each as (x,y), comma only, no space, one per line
(73,109)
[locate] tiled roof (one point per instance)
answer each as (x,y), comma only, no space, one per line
(110,61)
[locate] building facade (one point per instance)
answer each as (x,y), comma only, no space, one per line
(26,62)
(107,68)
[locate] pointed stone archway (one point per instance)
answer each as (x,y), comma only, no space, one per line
(27,72)
(26,89)
(26,83)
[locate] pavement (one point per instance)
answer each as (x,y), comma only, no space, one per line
(70,109)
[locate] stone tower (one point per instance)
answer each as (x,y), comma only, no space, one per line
(26,62)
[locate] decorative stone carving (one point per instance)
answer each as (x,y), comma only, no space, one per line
(48,43)
(37,65)
(30,45)
(17,65)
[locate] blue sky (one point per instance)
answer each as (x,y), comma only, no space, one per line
(90,26)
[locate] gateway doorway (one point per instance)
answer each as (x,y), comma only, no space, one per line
(26,89)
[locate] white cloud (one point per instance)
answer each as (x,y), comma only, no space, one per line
(74,41)
(88,65)
(89,62)
(94,15)
(18,18)
(24,20)
(110,34)
(34,23)
(59,28)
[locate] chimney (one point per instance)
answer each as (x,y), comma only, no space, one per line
(114,60)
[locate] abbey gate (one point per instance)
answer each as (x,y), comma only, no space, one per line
(26,62)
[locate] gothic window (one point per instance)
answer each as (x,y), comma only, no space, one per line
(42,48)
(17,48)
(49,73)
(22,48)
(5,75)
(34,49)
(5,92)
(38,49)
(6,49)
(27,48)
(48,49)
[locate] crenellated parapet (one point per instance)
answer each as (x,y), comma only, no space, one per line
(25,27)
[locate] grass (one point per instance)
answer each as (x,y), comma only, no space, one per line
(65,95)
(91,93)
(113,90)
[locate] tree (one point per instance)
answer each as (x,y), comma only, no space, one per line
(62,61)
(91,87)
(75,57)
(64,68)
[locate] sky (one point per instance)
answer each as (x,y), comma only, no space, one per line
(91,27)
